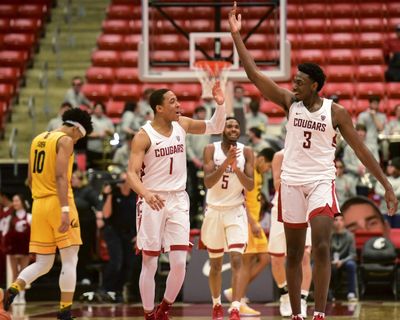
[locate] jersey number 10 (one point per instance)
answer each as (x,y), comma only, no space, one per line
(38,161)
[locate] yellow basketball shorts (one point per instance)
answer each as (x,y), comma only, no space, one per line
(46,219)
(256,245)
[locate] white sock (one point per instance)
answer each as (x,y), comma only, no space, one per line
(147,283)
(281,285)
(304,293)
(216,301)
(316,313)
(235,305)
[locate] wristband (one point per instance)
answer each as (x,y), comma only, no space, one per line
(65,209)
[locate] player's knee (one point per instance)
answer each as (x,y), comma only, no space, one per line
(295,255)
(236,261)
(321,249)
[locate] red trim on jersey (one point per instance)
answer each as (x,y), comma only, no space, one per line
(236,245)
(280,218)
(335,209)
(302,225)
(215,250)
(151,253)
(177,247)
(276,254)
(322,211)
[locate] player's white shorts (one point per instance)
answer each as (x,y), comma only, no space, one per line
(164,230)
(224,229)
(277,238)
(300,203)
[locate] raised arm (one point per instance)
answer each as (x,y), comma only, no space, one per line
(140,144)
(345,125)
(217,122)
(267,87)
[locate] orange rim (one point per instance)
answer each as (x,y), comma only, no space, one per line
(213,67)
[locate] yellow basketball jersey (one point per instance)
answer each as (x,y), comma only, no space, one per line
(253,197)
(43,165)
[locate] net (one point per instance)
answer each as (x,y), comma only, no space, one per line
(208,72)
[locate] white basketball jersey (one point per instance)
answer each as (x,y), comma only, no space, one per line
(164,164)
(310,145)
(228,191)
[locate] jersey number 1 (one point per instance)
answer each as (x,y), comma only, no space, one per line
(38,161)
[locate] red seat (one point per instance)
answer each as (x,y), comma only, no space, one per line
(393,9)
(371,25)
(393,22)
(314,10)
(128,12)
(343,25)
(6,92)
(38,11)
(26,26)
(8,11)
(370,73)
(251,90)
(120,26)
(111,42)
(115,108)
(342,10)
(371,40)
(187,91)
(4,25)
(188,107)
(370,56)
(125,92)
(100,75)
(368,89)
(373,10)
(292,26)
(127,75)
(341,56)
(131,41)
(271,109)
(343,40)
(96,92)
(314,26)
(292,11)
(314,55)
(348,104)
(19,41)
(9,75)
(106,58)
(202,25)
(129,58)
(391,105)
(340,73)
(313,41)
(343,90)
(13,59)
(361,106)
(393,89)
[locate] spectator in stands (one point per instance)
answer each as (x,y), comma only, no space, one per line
(120,235)
(144,104)
(57,122)
(257,143)
(255,118)
(195,145)
(16,233)
(391,51)
(394,179)
(121,155)
(6,209)
(393,128)
(74,95)
(240,103)
(362,214)
(343,255)
(344,183)
(89,210)
(131,120)
(355,167)
(98,145)
(374,122)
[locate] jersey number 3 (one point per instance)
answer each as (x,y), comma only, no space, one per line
(38,161)
(307,143)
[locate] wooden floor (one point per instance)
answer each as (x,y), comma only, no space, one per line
(340,310)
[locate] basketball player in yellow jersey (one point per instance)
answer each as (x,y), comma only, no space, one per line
(255,258)
(55,222)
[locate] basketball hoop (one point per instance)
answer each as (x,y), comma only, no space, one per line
(208,72)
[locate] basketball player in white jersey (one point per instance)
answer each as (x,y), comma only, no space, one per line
(307,191)
(228,171)
(277,249)
(157,173)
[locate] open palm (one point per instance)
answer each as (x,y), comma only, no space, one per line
(218,94)
(235,23)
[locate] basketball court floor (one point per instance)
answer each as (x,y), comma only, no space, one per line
(339,310)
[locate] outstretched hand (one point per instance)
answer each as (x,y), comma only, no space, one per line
(391,201)
(235,23)
(218,93)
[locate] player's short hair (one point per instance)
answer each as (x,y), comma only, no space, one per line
(361,200)
(267,154)
(232,118)
(157,97)
(256,131)
(361,126)
(80,116)
(101,104)
(374,99)
(315,73)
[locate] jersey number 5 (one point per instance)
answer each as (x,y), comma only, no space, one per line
(225,180)
(38,161)
(307,143)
